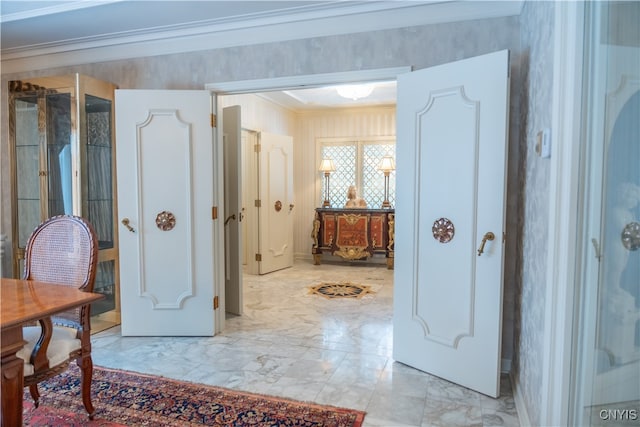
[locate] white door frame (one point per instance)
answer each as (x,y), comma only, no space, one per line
(564,179)
(305,81)
(277,83)
(564,246)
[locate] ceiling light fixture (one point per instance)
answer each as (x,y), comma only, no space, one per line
(354,92)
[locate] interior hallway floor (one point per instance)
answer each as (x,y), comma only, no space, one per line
(307,347)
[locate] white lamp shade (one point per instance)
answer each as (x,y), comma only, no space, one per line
(387,164)
(327,165)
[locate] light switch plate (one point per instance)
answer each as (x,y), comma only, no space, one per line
(546,144)
(543,143)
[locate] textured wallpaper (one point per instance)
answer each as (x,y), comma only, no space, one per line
(536,28)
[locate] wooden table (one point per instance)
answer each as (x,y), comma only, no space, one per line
(24,301)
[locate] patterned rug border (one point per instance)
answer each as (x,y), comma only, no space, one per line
(279,403)
(226,389)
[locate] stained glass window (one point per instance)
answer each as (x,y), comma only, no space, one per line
(356,164)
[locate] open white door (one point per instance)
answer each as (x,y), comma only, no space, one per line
(165,165)
(275,214)
(231,125)
(452,146)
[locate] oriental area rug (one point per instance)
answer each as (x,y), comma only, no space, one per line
(128,399)
(333,290)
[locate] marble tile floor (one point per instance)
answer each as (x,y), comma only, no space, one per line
(292,344)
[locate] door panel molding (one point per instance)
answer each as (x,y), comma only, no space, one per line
(276,184)
(167,139)
(166,163)
(449,311)
(454,146)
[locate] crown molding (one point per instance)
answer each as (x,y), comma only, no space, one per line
(54,7)
(315,21)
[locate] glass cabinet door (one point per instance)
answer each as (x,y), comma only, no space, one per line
(59,168)
(100,202)
(43,164)
(62,142)
(27,168)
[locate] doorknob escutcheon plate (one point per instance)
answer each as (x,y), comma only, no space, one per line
(165,221)
(443,230)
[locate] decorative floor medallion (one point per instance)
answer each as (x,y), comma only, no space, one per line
(340,290)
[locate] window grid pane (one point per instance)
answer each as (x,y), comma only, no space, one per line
(351,159)
(372,178)
(345,175)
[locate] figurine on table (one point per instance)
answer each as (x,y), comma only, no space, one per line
(353,201)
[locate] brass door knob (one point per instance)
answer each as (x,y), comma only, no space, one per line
(125,222)
(487,236)
(229,218)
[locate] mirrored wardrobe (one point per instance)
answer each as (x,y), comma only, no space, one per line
(63,162)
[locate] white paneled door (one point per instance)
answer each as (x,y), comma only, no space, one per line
(276,212)
(233,215)
(451,182)
(165,197)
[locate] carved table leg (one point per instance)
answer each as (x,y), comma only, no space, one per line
(317,258)
(390,263)
(12,377)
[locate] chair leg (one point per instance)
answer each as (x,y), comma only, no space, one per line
(86,367)
(35,394)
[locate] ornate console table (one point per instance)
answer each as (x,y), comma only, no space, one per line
(353,234)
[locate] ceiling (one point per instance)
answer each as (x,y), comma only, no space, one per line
(384,93)
(27,24)
(59,33)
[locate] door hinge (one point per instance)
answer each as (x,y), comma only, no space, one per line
(42,173)
(257,148)
(214,212)
(258,203)
(216,303)
(214,120)
(258,257)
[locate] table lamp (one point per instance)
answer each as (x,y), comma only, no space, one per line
(327,167)
(387,164)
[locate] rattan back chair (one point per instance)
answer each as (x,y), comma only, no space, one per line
(62,250)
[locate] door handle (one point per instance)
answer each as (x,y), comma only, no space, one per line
(125,222)
(596,247)
(487,236)
(229,218)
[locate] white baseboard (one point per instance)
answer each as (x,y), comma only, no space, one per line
(523,415)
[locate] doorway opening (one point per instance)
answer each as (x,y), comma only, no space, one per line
(356,130)
(286,93)
(432,119)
